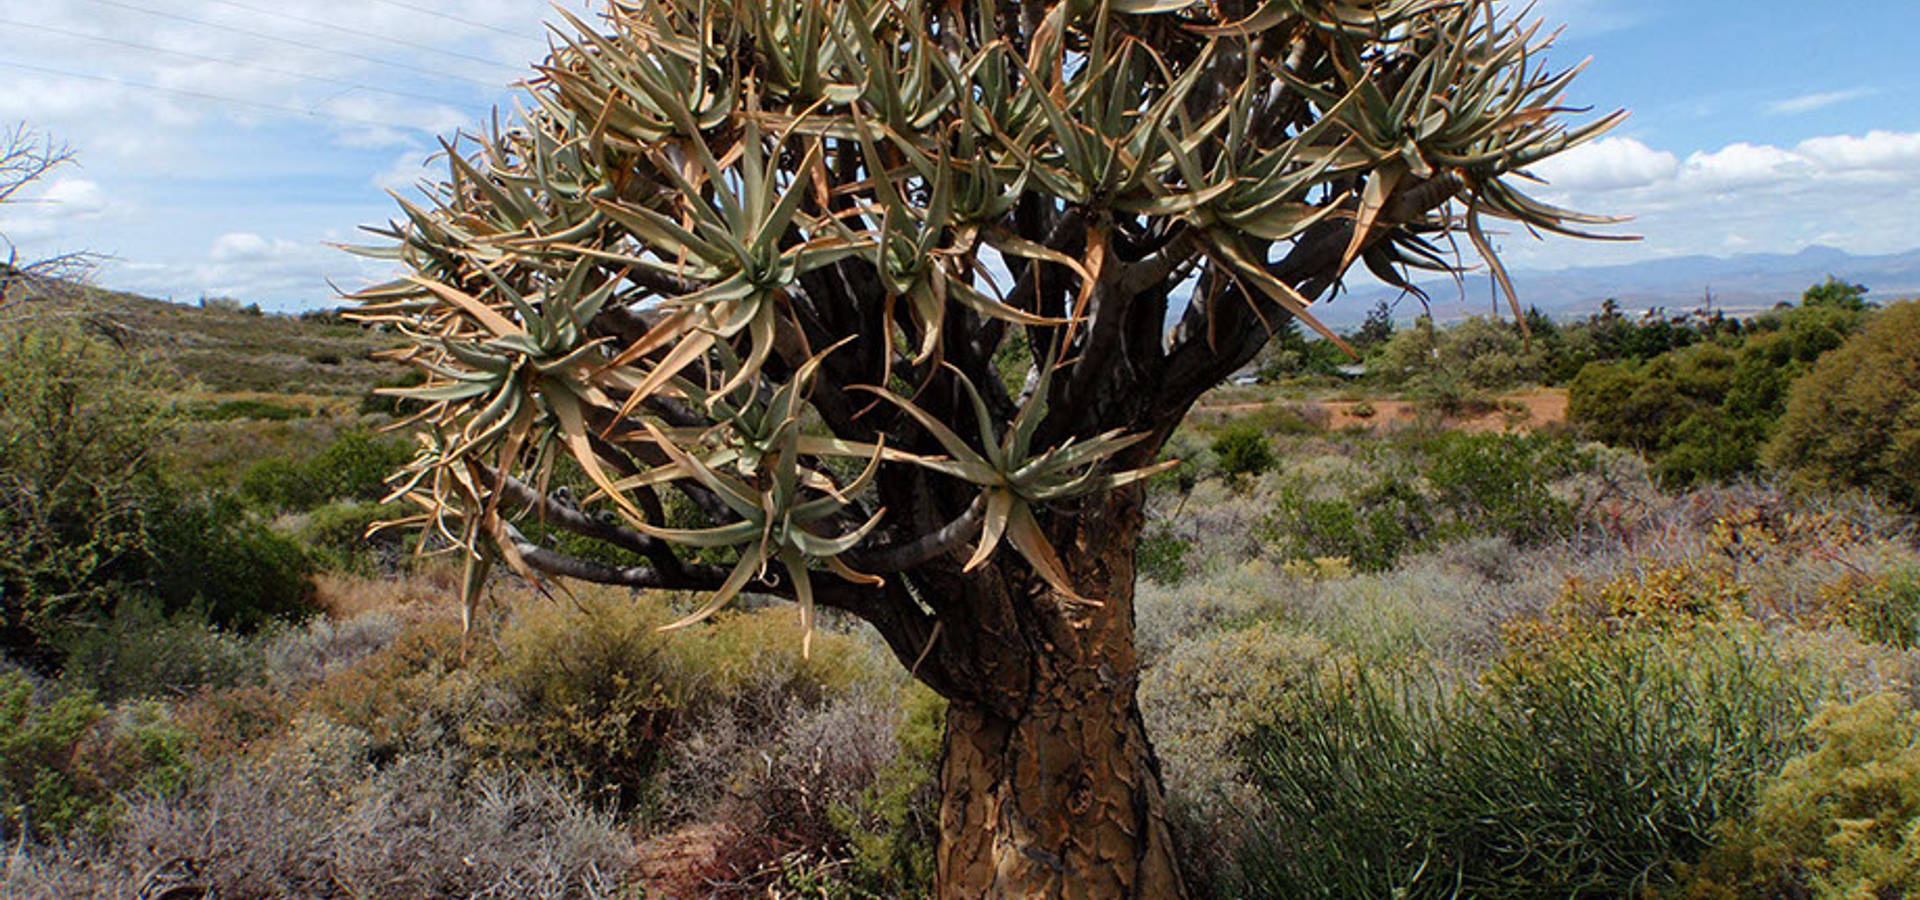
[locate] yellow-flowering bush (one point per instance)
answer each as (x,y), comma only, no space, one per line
(1883,607)
(1840,822)
(1671,598)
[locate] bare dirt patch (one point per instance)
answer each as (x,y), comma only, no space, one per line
(677,865)
(1519,411)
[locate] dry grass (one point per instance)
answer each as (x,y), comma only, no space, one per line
(430,590)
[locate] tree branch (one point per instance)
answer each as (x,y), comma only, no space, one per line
(882,560)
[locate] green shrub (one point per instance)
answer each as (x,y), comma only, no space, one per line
(40,791)
(599,692)
(596,692)
(1370,531)
(1162,556)
(1590,769)
(352,467)
(140,651)
(277,483)
(1474,355)
(1854,421)
(1243,449)
(1883,607)
(139,749)
(337,534)
(229,410)
(356,465)
(375,402)
(65,761)
(1467,485)
(211,557)
(1840,821)
(1502,485)
(79,420)
(894,826)
(1195,456)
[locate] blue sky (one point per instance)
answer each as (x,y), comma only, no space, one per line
(221,144)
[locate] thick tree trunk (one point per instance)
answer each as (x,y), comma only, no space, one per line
(1058,795)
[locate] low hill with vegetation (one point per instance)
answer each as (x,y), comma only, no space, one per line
(226,347)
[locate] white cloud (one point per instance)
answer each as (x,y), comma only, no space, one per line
(50,211)
(1743,165)
(1810,102)
(406,173)
(240,245)
(1875,151)
(280,273)
(1608,164)
(366,121)
(74,197)
(1852,191)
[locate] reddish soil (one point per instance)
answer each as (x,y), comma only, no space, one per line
(1524,410)
(676,865)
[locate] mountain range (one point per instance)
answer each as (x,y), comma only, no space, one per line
(1740,285)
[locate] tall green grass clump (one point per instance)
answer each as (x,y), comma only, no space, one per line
(1587,769)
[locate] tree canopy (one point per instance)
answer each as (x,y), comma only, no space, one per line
(729,242)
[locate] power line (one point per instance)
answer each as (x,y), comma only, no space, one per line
(318,23)
(299,44)
(217,98)
(308,76)
(425,11)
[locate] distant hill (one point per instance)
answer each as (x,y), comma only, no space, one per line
(1739,284)
(230,348)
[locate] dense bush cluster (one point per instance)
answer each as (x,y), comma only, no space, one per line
(89,519)
(353,467)
(1854,420)
(1704,413)
(1422,492)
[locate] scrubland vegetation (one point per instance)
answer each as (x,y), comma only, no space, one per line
(1676,661)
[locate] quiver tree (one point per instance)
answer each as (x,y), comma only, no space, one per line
(864,304)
